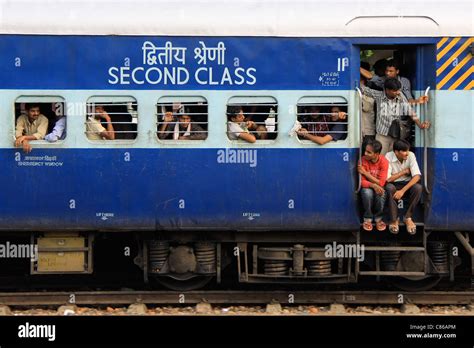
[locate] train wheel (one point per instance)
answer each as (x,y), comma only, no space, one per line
(189,284)
(416,284)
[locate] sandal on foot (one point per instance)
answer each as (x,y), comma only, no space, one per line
(380,225)
(411,227)
(367,226)
(393,227)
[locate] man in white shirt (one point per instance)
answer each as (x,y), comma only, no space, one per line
(403,177)
(237,127)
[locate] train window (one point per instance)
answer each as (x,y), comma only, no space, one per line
(182,118)
(111,118)
(254,117)
(40,118)
(321,119)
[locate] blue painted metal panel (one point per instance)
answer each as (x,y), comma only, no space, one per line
(451,180)
(189,189)
(426,68)
(91,62)
(180,189)
(248,63)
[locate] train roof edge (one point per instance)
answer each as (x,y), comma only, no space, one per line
(267,18)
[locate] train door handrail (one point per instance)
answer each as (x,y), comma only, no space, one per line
(360,136)
(425,148)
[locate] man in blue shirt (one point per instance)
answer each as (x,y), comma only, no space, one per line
(58,132)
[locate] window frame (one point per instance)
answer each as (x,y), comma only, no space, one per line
(330,102)
(267,100)
(40,99)
(167,99)
(105,100)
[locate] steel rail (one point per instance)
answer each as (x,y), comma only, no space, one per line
(234,297)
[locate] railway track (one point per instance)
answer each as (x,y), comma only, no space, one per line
(235,297)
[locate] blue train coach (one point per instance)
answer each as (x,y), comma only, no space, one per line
(195,204)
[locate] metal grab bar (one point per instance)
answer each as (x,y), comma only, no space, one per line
(324,122)
(93,105)
(181,132)
(251,104)
(318,113)
(425,148)
(253,113)
(134,132)
(174,122)
(321,104)
(182,103)
(129,123)
(159,114)
(360,137)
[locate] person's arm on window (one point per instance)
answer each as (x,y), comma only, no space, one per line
(369,92)
(163,133)
(415,118)
(315,138)
(247,137)
(366,73)
(110,132)
(197,133)
(20,127)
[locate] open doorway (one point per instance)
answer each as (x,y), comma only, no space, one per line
(415,66)
(379,60)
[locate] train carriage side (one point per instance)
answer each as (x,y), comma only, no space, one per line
(280,210)
(150,183)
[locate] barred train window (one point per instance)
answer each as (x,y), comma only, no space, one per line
(182,118)
(40,118)
(252,118)
(321,119)
(111,118)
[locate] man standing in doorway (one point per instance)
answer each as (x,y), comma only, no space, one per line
(392,71)
(391,105)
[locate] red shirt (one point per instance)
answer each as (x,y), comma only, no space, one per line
(378,169)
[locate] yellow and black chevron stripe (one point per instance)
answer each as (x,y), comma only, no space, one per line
(454,63)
